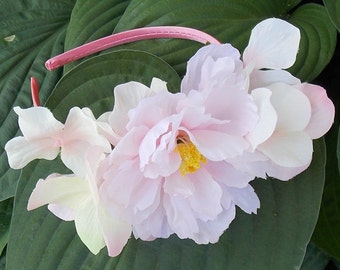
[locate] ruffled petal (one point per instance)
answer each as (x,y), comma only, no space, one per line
(127,97)
(323,110)
(21,151)
(38,122)
(178,185)
(245,198)
(216,145)
(267,117)
(273,44)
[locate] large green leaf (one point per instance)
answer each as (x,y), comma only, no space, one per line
(333,9)
(231,21)
(91,21)
(5,219)
(315,259)
(30,32)
(327,231)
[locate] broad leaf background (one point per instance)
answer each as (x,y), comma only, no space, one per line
(275,238)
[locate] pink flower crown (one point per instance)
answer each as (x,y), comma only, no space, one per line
(161,163)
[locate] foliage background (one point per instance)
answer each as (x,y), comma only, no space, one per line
(297,226)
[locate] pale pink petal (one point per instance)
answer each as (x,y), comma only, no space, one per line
(116,231)
(127,97)
(273,44)
(262,78)
(292,149)
(226,174)
(206,57)
(37,122)
(245,198)
(67,191)
(89,228)
(179,185)
(292,107)
(216,145)
(206,199)
(21,151)
(81,127)
(284,173)
(180,216)
(322,110)
(267,117)
(210,231)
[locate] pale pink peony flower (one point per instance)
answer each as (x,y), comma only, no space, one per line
(44,137)
(169,169)
(72,197)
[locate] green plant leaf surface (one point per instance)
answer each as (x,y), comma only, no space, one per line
(327,231)
(333,9)
(5,220)
(315,259)
(30,32)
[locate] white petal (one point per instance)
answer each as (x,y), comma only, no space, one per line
(37,122)
(20,151)
(292,149)
(89,228)
(322,110)
(263,78)
(293,108)
(273,44)
(267,117)
(67,191)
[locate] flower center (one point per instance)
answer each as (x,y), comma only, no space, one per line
(191,157)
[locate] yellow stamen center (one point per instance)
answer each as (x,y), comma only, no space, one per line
(191,157)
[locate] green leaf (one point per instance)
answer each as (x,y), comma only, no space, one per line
(6,208)
(333,9)
(89,22)
(318,41)
(327,231)
(30,32)
(315,259)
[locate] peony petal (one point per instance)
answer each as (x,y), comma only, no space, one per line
(178,185)
(273,44)
(292,107)
(206,200)
(20,151)
(216,145)
(284,173)
(292,149)
(127,97)
(38,122)
(68,191)
(322,110)
(245,198)
(267,117)
(116,232)
(224,173)
(206,59)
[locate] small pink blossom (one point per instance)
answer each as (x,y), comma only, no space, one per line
(44,137)
(72,197)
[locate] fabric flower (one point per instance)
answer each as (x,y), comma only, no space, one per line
(71,197)
(44,137)
(169,168)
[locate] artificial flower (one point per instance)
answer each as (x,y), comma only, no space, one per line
(71,197)
(44,137)
(169,168)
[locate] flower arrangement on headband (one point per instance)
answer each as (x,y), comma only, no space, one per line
(163,163)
